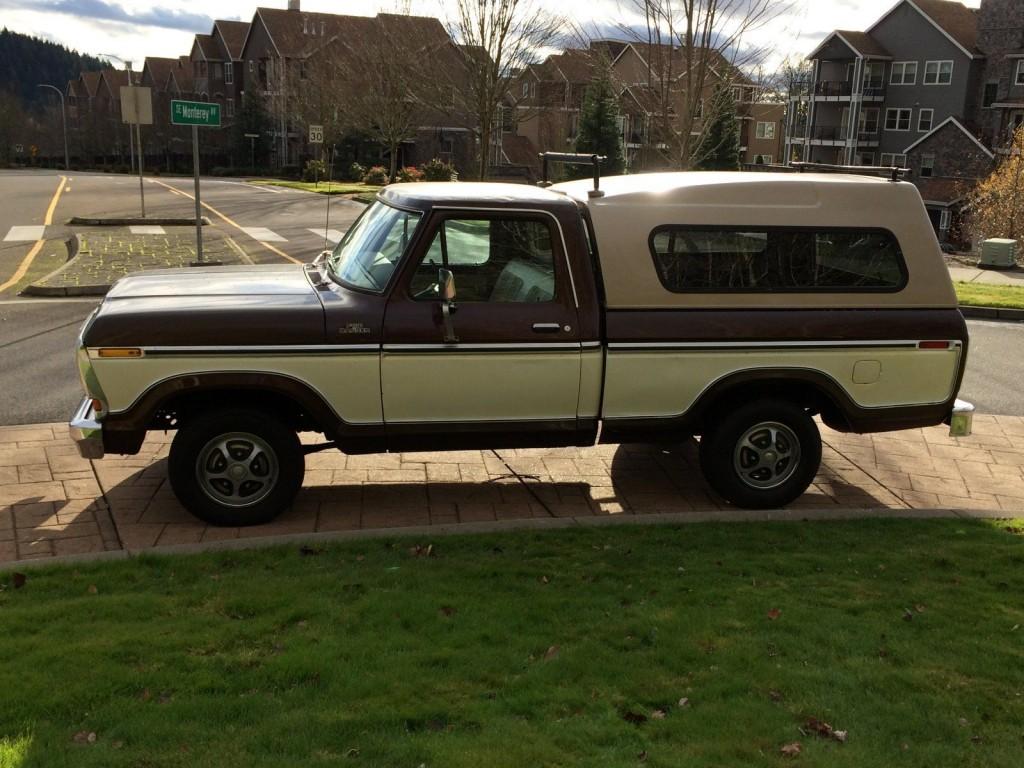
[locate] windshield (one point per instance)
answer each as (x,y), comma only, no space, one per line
(370,250)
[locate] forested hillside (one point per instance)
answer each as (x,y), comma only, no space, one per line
(26,61)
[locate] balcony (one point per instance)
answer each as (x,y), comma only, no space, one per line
(829,135)
(873,89)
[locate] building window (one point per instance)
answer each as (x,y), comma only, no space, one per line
(991,94)
(252,66)
(945,219)
(925,118)
(1019,79)
(903,73)
(526,89)
(890,160)
(780,259)
(927,166)
(869,121)
(302,69)
(765,131)
(897,119)
(763,159)
(865,158)
(229,73)
(938,72)
(229,108)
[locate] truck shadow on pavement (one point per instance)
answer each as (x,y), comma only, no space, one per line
(138,510)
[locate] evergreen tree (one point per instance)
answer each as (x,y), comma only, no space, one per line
(26,60)
(719,148)
(599,121)
(251,118)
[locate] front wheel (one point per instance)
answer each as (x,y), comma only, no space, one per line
(236,467)
(762,455)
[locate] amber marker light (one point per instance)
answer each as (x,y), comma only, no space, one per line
(933,345)
(119,352)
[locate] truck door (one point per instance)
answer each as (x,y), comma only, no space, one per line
(504,356)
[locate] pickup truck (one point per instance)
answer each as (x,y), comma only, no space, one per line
(736,307)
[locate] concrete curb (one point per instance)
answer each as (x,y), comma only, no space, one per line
(993,313)
(128,221)
(74,246)
(536,523)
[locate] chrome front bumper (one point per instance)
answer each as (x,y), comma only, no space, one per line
(961,419)
(86,431)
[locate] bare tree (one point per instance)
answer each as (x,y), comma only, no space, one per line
(498,38)
(689,48)
(997,203)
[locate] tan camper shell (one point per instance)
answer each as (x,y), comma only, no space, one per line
(735,307)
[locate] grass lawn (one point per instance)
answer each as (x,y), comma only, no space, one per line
(562,648)
(984,295)
(334,188)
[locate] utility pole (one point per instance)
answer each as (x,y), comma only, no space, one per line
(63,120)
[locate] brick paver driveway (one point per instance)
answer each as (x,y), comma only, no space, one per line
(54,503)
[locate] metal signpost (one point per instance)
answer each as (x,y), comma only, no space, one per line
(137,110)
(252,150)
(196,113)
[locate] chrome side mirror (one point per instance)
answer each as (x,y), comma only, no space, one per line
(446,289)
(446,284)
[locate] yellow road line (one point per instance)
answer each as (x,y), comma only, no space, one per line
(19,273)
(234,224)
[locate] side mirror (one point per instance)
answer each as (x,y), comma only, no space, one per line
(446,284)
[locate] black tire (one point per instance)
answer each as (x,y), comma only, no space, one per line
(204,460)
(777,461)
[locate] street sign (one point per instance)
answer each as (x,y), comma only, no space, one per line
(316,134)
(136,105)
(252,135)
(195,113)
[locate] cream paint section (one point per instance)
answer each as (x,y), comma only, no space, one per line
(668,382)
(591,378)
(348,382)
(480,386)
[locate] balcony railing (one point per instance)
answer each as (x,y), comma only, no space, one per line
(833,88)
(829,132)
(874,88)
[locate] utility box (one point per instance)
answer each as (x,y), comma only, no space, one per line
(998,253)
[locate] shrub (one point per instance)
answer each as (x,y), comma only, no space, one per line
(314,170)
(437,170)
(377,176)
(354,172)
(410,173)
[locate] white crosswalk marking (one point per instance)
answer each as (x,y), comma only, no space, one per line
(263,234)
(333,235)
(25,233)
(147,229)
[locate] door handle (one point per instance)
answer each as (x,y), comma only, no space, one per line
(546,327)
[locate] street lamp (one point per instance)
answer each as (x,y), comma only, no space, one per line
(63,119)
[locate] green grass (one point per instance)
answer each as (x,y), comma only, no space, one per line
(986,295)
(531,649)
(323,188)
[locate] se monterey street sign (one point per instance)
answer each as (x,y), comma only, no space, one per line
(195,113)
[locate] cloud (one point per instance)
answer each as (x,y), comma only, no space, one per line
(99,10)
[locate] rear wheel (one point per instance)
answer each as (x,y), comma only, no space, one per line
(236,467)
(761,455)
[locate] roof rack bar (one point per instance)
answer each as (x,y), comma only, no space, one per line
(894,173)
(570,158)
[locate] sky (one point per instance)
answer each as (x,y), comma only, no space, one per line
(134,29)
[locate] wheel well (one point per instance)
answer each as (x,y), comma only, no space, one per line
(178,409)
(810,395)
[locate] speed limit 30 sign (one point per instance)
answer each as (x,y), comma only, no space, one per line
(316,134)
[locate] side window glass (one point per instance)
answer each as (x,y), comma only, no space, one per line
(777,259)
(493,260)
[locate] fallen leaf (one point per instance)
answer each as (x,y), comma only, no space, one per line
(792,749)
(658,714)
(963,722)
(117,744)
(684,702)
(145,695)
(642,757)
(775,695)
(359,559)
(908,615)
(840,736)
(302,624)
(919,608)
(84,737)
(92,589)
(18,579)
(636,718)
(544,580)
(422,551)
(307,551)
(551,653)
(824,730)
(353,752)
(774,613)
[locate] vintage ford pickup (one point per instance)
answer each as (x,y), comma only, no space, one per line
(734,307)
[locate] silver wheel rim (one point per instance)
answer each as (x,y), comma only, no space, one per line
(237,469)
(766,455)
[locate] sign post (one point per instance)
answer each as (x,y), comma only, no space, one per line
(196,114)
(252,150)
(137,110)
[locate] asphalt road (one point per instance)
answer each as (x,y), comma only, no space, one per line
(39,381)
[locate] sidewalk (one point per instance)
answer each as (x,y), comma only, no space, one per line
(961,274)
(53,503)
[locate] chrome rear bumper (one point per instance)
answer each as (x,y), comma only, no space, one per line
(961,419)
(86,431)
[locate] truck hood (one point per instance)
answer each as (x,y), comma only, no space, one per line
(210,306)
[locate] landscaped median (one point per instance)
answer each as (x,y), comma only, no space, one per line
(859,643)
(355,190)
